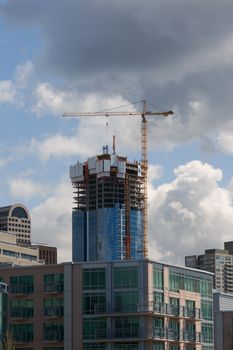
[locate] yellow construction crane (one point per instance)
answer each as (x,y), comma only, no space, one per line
(144,150)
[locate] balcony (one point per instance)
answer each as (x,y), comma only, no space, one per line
(154,308)
(176,335)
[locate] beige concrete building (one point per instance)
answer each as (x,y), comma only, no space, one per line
(125,305)
(11,253)
(15,219)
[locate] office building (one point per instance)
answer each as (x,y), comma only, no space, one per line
(3,309)
(15,219)
(223,321)
(124,305)
(14,254)
(15,239)
(47,254)
(108,209)
(217,261)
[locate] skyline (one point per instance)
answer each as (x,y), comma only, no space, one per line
(58,57)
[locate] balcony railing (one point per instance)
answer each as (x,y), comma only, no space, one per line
(176,335)
(156,308)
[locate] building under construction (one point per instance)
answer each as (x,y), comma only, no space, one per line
(108,209)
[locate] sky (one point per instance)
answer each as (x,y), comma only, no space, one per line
(63,56)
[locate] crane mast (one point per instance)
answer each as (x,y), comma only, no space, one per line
(144,162)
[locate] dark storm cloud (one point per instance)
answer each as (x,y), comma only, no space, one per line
(99,36)
(177,52)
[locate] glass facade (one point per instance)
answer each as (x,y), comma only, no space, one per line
(99,235)
(126,277)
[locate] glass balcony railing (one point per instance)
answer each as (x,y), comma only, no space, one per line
(176,335)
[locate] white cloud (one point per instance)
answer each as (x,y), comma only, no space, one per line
(51,220)
(11,90)
(190,214)
(26,188)
(7,91)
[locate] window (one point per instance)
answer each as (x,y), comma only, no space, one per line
(127,346)
(99,346)
(53,331)
(54,282)
(22,332)
(21,308)
(54,307)
(126,277)
(158,278)
(94,303)
(94,328)
(126,301)
(21,284)
(158,346)
(206,310)
(126,327)
(173,330)
(94,279)
(207,333)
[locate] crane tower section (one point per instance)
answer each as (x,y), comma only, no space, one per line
(108,209)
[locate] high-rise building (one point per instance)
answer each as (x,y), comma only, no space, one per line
(108,209)
(15,239)
(217,261)
(16,219)
(120,305)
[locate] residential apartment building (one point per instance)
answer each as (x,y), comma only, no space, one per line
(108,209)
(217,261)
(122,305)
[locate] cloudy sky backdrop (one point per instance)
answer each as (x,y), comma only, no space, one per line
(58,56)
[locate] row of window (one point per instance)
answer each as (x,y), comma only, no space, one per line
(127,301)
(127,277)
(53,331)
(25,284)
(53,307)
